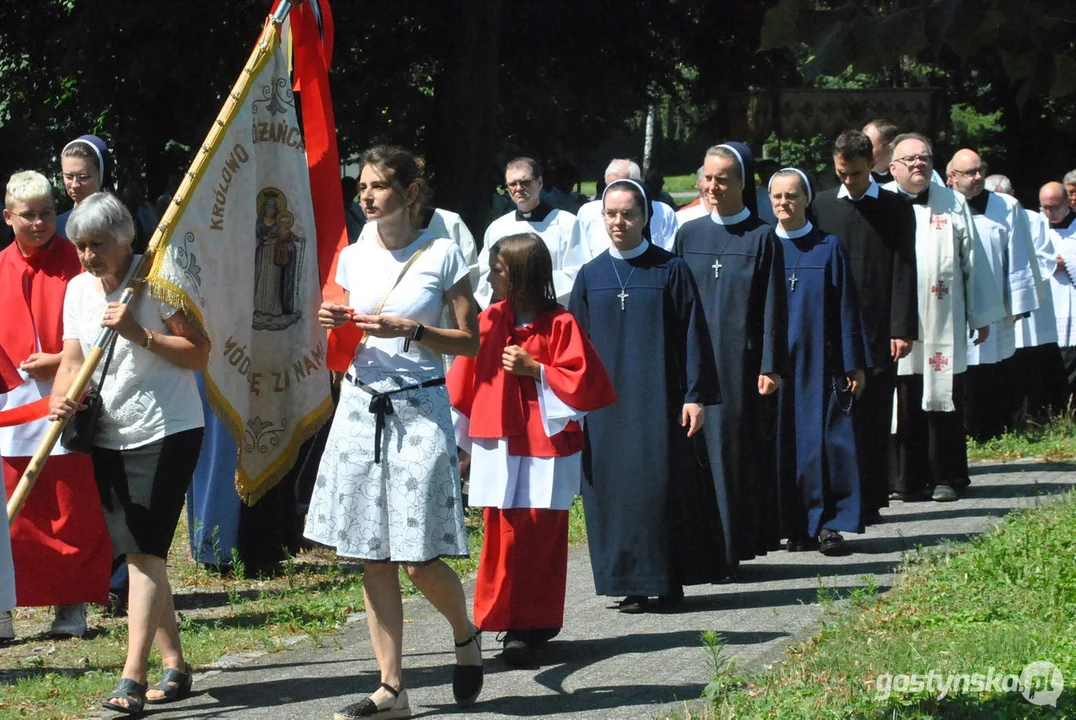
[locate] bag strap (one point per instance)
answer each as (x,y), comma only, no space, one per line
(403,271)
(108,359)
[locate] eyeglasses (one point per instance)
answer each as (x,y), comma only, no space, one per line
(519,183)
(972,172)
(73,178)
(1051,208)
(629,215)
(912,160)
(32,217)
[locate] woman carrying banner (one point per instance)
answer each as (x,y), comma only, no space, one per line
(147,437)
(388,489)
(59,542)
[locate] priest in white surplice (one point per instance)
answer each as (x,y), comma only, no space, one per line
(1053,202)
(660,228)
(1038,373)
(558,229)
(956,294)
(1002,226)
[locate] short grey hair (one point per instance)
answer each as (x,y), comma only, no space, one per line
(700,176)
(998,184)
(912,136)
(101,214)
(1070,178)
(620,166)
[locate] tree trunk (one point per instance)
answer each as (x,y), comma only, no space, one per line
(648,140)
(462,152)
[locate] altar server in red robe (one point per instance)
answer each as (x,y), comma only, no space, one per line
(517,407)
(59,543)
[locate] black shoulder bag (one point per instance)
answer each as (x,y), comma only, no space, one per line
(78,434)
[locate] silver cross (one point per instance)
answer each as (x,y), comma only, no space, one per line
(623,296)
(717,267)
(792,281)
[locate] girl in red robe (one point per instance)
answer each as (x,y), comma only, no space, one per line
(517,407)
(59,543)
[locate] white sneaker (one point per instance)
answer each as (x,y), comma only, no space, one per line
(7,628)
(70,621)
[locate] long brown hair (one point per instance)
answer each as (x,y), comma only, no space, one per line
(530,272)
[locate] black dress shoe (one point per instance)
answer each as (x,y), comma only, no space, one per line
(633,604)
(516,650)
(831,542)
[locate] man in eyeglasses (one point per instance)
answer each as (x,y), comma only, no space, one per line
(558,229)
(1053,202)
(956,294)
(1003,229)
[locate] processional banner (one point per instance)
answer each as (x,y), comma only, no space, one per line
(241,257)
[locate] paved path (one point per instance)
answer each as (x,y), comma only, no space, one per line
(608,665)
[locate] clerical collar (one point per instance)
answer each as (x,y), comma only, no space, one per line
(872,192)
(730,219)
(978,203)
(538,214)
(629,254)
(1069,219)
(793,234)
(923,198)
(882,178)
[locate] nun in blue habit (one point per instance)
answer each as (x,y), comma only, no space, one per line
(737,263)
(817,461)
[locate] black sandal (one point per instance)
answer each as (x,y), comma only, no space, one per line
(368,708)
(175,684)
(133,692)
(467,680)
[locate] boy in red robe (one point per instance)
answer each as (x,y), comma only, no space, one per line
(59,543)
(517,407)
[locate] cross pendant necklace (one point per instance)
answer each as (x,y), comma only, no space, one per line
(623,296)
(792,281)
(717,262)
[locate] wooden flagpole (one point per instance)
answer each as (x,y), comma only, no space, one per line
(259,57)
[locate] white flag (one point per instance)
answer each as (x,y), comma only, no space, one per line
(241,258)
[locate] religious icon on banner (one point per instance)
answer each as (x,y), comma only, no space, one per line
(278,260)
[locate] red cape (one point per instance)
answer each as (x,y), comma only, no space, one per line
(502,405)
(32,297)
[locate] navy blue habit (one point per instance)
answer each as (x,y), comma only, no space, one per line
(817,460)
(651,514)
(739,271)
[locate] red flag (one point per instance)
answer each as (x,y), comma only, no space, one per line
(312,31)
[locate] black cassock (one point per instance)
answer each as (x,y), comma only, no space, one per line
(651,514)
(877,237)
(740,274)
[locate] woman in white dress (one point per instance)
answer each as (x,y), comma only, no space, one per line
(388,489)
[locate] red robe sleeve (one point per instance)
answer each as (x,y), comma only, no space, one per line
(573,369)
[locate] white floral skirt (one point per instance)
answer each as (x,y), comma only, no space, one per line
(408,508)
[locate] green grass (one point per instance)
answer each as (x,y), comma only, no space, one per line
(1000,601)
(1053,440)
(313,595)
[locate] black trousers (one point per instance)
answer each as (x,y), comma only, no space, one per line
(1040,383)
(989,398)
(873,419)
(932,449)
